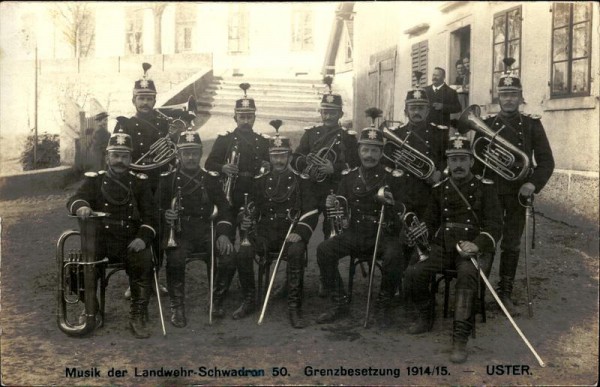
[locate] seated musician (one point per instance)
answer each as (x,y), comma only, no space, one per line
(463,210)
(127,232)
(279,195)
(187,198)
(359,186)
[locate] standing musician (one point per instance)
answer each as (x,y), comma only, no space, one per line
(336,148)
(427,138)
(146,126)
(279,195)
(525,132)
(463,210)
(359,186)
(187,200)
(238,156)
(129,228)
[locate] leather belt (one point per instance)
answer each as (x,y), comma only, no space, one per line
(245,174)
(193,217)
(278,215)
(458,225)
(115,222)
(367,218)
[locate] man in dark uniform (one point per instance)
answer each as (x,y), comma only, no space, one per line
(127,232)
(252,154)
(279,196)
(194,192)
(526,133)
(146,126)
(360,186)
(323,140)
(463,210)
(442,98)
(100,138)
(427,138)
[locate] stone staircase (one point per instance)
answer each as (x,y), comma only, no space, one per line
(286,99)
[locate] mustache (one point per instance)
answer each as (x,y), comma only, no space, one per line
(245,126)
(119,165)
(458,170)
(371,159)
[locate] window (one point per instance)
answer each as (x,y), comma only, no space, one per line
(419,62)
(238,29)
(302,29)
(349,24)
(185,19)
(507,43)
(571,49)
(134,24)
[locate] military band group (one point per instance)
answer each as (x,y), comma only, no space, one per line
(415,197)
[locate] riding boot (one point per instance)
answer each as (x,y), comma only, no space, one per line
(176,288)
(424,321)
(281,291)
(324,289)
(508,269)
(463,324)
(384,309)
(224,278)
(340,303)
(245,268)
(139,307)
(294,280)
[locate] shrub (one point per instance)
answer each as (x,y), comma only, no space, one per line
(48,152)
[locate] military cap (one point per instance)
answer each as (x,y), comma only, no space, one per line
(417,96)
(278,143)
(458,145)
(119,142)
(245,104)
(330,100)
(372,135)
(100,116)
(144,85)
(509,82)
(189,140)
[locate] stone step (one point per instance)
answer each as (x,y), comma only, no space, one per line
(291,106)
(266,95)
(266,113)
(273,81)
(218,88)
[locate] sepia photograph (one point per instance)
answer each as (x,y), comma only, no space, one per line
(299,193)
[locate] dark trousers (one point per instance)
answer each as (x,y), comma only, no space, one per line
(352,242)
(512,230)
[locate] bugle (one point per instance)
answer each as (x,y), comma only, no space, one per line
(491,149)
(417,235)
(406,157)
(175,226)
(234,158)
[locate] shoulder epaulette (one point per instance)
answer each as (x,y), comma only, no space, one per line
(211,173)
(122,120)
(440,183)
(101,172)
(533,116)
(310,127)
(91,174)
(489,116)
(348,170)
(139,175)
(394,172)
(440,127)
(225,133)
(484,180)
(351,132)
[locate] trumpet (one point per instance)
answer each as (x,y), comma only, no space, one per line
(314,161)
(417,234)
(338,215)
(248,210)
(495,152)
(405,156)
(176,225)
(234,158)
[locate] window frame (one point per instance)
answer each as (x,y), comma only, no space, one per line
(506,42)
(298,16)
(424,79)
(569,76)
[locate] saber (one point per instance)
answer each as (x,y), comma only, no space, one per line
(212,263)
(264,308)
(491,289)
(528,248)
(156,288)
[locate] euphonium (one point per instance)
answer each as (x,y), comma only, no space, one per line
(176,225)
(234,158)
(316,160)
(419,236)
(405,156)
(249,210)
(338,215)
(493,150)
(77,273)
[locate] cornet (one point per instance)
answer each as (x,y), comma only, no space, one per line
(495,152)
(405,156)
(338,215)
(234,158)
(249,210)
(176,225)
(417,234)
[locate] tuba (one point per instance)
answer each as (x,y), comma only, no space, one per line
(234,158)
(419,236)
(338,215)
(405,156)
(315,160)
(164,150)
(493,150)
(77,278)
